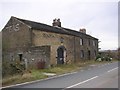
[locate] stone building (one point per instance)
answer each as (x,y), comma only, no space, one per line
(31,42)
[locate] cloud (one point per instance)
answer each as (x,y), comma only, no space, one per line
(99,18)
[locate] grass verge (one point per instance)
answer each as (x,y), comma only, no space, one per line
(38,74)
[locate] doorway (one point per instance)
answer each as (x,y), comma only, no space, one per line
(20,56)
(61,55)
(89,55)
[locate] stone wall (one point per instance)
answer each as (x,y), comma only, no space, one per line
(38,54)
(55,40)
(16,41)
(16,35)
(71,43)
(87,46)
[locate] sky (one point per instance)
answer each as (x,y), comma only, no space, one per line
(99,17)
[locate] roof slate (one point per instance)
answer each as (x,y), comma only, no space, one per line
(48,28)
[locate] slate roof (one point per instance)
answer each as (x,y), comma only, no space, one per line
(48,28)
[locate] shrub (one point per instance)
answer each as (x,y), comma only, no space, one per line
(11,68)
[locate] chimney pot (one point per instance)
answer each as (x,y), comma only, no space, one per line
(56,22)
(83,30)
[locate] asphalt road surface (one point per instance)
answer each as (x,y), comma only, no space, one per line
(93,76)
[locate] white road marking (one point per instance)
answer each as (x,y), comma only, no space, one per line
(112,69)
(82,82)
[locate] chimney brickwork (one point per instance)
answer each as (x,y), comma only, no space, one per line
(83,30)
(56,22)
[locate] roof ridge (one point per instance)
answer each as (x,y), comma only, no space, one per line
(49,28)
(30,21)
(23,20)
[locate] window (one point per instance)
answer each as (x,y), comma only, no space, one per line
(20,56)
(89,42)
(93,43)
(81,54)
(81,41)
(89,54)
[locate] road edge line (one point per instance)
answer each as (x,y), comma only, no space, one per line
(56,76)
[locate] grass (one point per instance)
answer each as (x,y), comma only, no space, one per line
(38,74)
(35,75)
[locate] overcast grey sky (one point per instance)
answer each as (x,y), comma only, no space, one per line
(99,17)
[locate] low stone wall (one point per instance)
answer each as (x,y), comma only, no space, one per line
(29,58)
(38,54)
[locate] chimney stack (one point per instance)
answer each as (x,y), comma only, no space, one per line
(83,30)
(56,22)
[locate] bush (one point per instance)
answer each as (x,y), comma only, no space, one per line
(98,57)
(11,68)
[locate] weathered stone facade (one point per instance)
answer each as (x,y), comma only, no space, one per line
(23,39)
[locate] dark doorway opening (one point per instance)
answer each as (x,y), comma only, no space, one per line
(61,55)
(89,55)
(20,56)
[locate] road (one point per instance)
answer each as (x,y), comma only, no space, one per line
(93,76)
